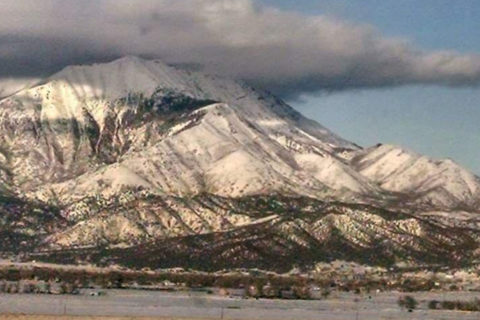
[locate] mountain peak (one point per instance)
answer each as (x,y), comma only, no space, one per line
(118,78)
(133,61)
(126,60)
(129,58)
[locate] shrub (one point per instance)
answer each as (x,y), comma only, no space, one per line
(433,304)
(407,302)
(448,305)
(325,293)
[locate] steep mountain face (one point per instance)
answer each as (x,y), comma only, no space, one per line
(137,153)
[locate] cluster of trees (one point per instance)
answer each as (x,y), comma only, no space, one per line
(410,303)
(473,305)
(255,285)
(34,286)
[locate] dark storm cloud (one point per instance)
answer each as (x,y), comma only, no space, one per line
(25,56)
(285,52)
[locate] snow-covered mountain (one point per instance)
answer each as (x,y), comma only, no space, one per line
(135,151)
(441,183)
(239,141)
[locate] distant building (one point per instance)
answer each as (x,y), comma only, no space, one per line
(288,294)
(56,288)
(270,291)
(237,293)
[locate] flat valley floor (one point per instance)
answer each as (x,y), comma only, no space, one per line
(34,317)
(136,304)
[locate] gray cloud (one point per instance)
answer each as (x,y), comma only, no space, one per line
(282,51)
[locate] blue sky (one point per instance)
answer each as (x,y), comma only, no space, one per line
(437,121)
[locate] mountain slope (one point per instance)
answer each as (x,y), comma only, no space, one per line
(441,183)
(270,232)
(215,150)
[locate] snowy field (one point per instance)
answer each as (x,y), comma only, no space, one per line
(131,303)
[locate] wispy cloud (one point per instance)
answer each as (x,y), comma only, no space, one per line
(285,52)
